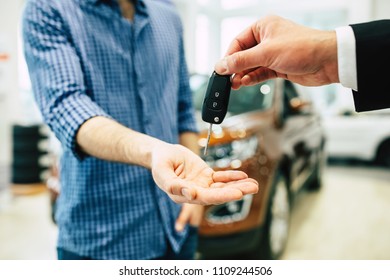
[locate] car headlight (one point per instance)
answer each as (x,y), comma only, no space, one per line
(230,212)
(232,154)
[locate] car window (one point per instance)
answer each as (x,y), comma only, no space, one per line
(289,94)
(246,99)
(289,90)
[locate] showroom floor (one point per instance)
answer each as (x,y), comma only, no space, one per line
(347,219)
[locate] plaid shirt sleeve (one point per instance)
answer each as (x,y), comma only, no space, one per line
(186,121)
(56,74)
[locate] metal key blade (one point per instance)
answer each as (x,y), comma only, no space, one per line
(208,139)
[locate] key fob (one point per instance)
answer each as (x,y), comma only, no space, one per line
(216,99)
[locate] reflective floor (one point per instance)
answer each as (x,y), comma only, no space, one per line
(26,230)
(349,218)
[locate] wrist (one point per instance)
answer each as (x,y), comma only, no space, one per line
(139,149)
(328,49)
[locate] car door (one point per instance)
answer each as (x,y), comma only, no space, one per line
(302,135)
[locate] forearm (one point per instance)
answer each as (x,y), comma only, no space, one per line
(190,140)
(175,169)
(106,139)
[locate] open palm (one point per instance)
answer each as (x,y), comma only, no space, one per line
(186,178)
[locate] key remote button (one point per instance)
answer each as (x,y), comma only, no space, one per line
(214,104)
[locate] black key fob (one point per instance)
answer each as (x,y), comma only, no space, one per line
(216,99)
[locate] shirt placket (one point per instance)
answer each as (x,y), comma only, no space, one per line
(140,77)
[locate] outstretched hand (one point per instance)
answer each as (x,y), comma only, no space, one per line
(274,47)
(186,178)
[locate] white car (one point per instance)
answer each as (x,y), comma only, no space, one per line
(364,136)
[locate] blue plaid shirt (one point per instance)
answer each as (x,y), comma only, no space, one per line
(86,60)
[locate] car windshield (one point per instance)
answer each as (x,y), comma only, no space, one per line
(246,99)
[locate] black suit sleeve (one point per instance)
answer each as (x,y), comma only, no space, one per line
(373,65)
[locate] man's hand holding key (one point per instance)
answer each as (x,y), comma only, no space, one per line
(274,47)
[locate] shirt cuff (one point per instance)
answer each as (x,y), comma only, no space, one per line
(346,55)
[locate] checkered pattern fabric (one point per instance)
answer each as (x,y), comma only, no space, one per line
(86,60)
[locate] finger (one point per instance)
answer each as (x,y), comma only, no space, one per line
(228,176)
(179,199)
(164,176)
(224,192)
(218,185)
(189,193)
(196,215)
(245,40)
(180,187)
(232,183)
(257,76)
(183,218)
(179,170)
(242,60)
(247,186)
(217,195)
(236,80)
(176,186)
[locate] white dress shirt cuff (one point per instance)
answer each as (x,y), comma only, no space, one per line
(346,55)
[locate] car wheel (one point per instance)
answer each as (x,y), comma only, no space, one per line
(315,181)
(277,226)
(383,155)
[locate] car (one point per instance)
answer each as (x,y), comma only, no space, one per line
(274,135)
(362,136)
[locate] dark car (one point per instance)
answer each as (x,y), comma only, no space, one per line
(274,136)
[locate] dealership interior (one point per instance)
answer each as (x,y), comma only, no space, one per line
(342,215)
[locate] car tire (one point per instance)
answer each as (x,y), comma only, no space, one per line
(315,181)
(383,155)
(274,239)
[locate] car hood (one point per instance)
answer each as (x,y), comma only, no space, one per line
(234,127)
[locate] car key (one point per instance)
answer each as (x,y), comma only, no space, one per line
(216,101)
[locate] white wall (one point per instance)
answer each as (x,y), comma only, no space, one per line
(329,13)
(9,102)
(381,9)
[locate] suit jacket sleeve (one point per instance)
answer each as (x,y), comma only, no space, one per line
(373,65)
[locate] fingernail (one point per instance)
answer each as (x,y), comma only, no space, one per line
(246,80)
(222,66)
(186,193)
(179,227)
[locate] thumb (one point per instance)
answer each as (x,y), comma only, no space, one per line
(183,218)
(242,60)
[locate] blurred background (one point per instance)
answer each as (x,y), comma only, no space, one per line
(347,218)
